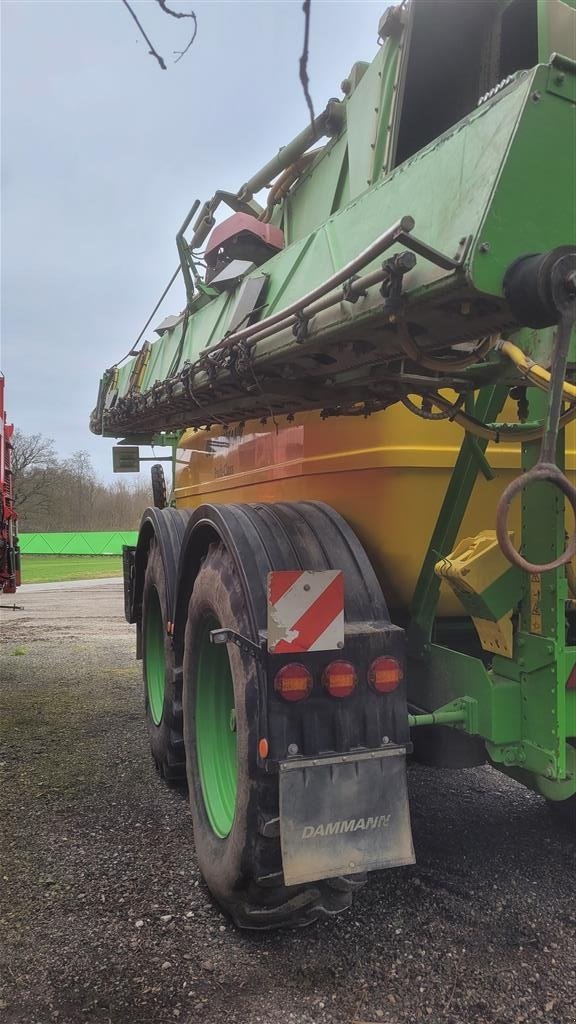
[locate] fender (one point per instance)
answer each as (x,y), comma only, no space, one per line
(262,538)
(167,526)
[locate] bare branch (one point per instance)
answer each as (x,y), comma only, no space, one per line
(304,59)
(151,51)
(173,14)
(180,14)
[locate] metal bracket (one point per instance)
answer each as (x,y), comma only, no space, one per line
(349,292)
(391,289)
(428,252)
(300,328)
(229,636)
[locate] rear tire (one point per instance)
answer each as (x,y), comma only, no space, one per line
(234,804)
(162,683)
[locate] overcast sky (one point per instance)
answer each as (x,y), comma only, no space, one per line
(103,154)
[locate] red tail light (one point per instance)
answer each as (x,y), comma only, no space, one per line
(339,678)
(571,684)
(385,674)
(293,682)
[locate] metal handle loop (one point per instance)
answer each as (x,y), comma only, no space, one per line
(542,472)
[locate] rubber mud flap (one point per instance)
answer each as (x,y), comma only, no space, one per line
(344,814)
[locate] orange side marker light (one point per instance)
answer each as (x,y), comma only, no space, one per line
(263,748)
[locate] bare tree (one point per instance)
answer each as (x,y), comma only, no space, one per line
(79,486)
(31,451)
(54,495)
(34,464)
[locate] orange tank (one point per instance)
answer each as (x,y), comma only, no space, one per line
(386,475)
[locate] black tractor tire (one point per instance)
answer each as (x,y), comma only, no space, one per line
(159,493)
(243,871)
(166,737)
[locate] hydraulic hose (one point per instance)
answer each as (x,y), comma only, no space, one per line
(442,365)
(284,183)
(522,432)
(536,374)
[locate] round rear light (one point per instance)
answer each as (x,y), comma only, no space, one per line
(293,682)
(385,674)
(339,678)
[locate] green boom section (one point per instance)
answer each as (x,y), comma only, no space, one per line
(428,187)
(87,543)
(480,193)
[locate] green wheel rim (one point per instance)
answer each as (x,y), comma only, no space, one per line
(216,732)
(154,654)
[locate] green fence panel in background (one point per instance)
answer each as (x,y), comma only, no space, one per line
(92,543)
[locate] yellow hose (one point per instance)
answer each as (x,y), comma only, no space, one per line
(536,374)
(504,432)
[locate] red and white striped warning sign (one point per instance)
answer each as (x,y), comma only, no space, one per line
(305,611)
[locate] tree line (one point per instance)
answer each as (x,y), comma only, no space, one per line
(54,494)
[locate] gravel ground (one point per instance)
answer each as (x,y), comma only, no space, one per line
(104,918)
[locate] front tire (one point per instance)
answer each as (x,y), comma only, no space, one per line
(234,804)
(162,683)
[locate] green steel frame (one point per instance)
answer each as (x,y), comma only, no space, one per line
(521,706)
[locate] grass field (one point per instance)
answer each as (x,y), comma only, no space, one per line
(58,568)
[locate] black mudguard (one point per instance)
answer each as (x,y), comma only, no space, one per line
(344,814)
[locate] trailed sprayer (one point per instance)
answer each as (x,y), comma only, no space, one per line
(370,551)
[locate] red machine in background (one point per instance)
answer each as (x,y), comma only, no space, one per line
(9,549)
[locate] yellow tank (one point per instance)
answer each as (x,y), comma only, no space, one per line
(386,475)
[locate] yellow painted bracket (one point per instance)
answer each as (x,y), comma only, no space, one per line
(488,587)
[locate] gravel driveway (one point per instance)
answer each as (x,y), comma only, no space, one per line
(103,916)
